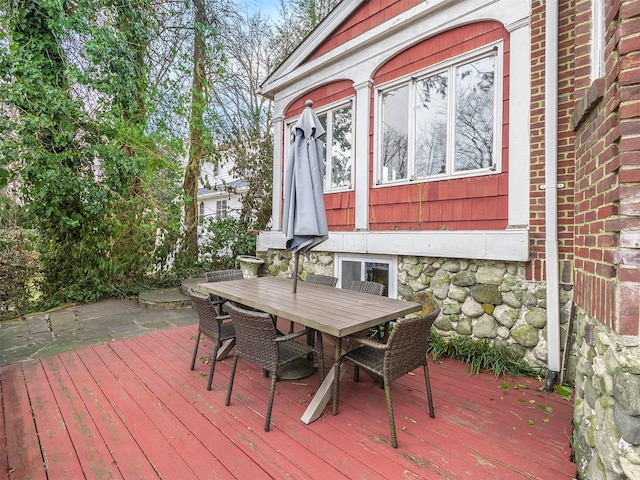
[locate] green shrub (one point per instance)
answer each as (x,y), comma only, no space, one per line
(479,354)
(224,240)
(19,270)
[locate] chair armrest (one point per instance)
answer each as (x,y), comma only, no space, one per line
(369,343)
(291,336)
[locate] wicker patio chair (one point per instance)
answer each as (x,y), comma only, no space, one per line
(222,276)
(405,350)
(322,280)
(258,342)
(372,288)
(216,328)
(365,286)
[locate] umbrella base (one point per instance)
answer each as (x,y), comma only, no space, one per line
(301,368)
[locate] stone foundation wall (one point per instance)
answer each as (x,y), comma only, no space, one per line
(487,300)
(481,299)
(280,263)
(607,402)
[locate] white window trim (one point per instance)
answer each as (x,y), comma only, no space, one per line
(391,260)
(326,109)
(410,80)
(598,31)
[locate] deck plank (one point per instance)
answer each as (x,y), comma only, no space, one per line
(95,457)
(95,391)
(217,445)
(305,460)
(58,451)
(23,449)
(170,447)
(133,409)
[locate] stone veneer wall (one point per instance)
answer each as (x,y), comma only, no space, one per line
(487,300)
(280,263)
(481,299)
(607,402)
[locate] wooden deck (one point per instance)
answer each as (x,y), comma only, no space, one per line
(132,409)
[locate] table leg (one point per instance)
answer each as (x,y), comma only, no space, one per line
(322,396)
(225,348)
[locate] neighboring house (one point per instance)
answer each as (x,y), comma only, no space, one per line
(215,201)
(484,154)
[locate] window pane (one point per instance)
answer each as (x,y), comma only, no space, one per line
(395,125)
(221,209)
(431,125)
(350,271)
(474,114)
(323,121)
(378,272)
(341,148)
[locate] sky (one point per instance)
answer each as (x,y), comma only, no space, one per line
(268,7)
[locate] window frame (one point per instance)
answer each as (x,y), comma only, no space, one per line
(495,49)
(391,260)
(222,213)
(327,140)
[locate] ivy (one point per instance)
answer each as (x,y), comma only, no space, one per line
(76,141)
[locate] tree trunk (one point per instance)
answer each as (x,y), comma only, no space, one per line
(197,150)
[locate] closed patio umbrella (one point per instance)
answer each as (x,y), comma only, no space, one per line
(304,219)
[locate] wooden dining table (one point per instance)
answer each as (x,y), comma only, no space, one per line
(333,311)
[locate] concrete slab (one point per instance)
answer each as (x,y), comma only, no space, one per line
(79,326)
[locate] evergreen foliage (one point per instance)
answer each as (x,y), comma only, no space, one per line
(75,140)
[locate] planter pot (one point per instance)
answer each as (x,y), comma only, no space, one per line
(249,265)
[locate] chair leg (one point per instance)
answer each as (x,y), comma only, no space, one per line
(233,374)
(195,351)
(392,423)
(356,373)
(429,397)
(267,421)
(213,366)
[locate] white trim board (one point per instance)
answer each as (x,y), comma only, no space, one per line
(507,245)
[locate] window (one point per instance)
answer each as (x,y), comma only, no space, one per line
(378,269)
(221,209)
(444,122)
(202,209)
(337,122)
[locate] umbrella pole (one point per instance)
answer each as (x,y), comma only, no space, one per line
(295,271)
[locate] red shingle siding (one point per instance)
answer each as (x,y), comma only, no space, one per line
(607,123)
(368,16)
(321,96)
(475,203)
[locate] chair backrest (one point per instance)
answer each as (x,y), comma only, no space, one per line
(365,286)
(322,280)
(207,316)
(223,275)
(408,344)
(255,335)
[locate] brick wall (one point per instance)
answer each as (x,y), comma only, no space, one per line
(606,120)
(566,138)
